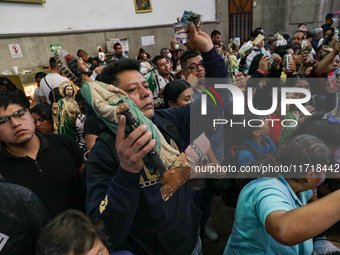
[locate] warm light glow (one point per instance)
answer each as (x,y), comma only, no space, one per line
(29,90)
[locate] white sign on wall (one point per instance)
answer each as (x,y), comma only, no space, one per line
(148,40)
(125,44)
(15,50)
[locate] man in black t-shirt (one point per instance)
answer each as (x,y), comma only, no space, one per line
(48,164)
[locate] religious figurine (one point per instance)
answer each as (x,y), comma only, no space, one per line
(109,103)
(66,111)
(101,56)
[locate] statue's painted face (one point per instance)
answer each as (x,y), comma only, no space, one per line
(82,65)
(69,91)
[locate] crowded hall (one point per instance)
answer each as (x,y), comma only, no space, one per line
(203,127)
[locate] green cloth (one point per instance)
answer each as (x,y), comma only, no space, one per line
(104,103)
(151,80)
(287,131)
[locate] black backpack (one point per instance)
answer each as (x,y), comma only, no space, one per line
(54,95)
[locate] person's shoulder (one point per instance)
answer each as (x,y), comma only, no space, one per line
(268,183)
(62,78)
(15,191)
(106,138)
(57,137)
(60,139)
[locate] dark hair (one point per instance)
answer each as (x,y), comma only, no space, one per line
(247,131)
(81,52)
(141,50)
(43,110)
(187,55)
(8,97)
(178,76)
(4,81)
(255,64)
(302,24)
(163,51)
(53,63)
(309,34)
(140,53)
(319,126)
(254,34)
(300,31)
(332,29)
(110,72)
(301,150)
(158,57)
(258,28)
(217,43)
(40,75)
(172,91)
(179,50)
(291,81)
(329,15)
(282,50)
(286,36)
(304,149)
(70,231)
(215,32)
(328,39)
(116,44)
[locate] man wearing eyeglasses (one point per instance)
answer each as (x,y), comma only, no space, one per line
(47,164)
(191,63)
(194,71)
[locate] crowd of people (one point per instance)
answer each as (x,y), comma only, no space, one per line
(89,168)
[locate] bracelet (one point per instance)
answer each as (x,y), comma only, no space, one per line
(260,71)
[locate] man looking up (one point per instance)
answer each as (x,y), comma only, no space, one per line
(303,27)
(192,67)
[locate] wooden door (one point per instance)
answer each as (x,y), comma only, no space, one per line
(240,19)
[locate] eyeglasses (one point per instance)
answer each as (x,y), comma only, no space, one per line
(194,67)
(19,115)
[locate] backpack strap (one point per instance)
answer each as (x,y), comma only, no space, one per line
(50,89)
